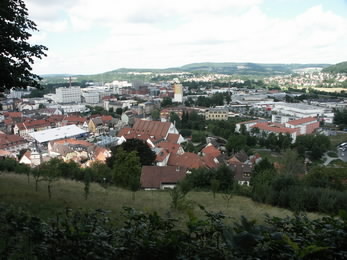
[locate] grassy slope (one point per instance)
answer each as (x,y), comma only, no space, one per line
(14,189)
(337,139)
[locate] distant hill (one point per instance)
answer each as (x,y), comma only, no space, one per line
(247,68)
(257,69)
(338,68)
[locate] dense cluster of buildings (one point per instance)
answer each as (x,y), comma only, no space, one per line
(59,125)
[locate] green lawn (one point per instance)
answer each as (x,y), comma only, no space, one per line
(14,189)
(337,139)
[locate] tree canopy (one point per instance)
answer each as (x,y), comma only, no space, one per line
(16,53)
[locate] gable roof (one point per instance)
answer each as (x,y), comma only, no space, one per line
(173,138)
(13,114)
(156,129)
(302,121)
(154,176)
(10,140)
(187,160)
(33,124)
(170,147)
(211,151)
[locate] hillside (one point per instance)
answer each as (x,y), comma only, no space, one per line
(229,68)
(15,190)
(337,68)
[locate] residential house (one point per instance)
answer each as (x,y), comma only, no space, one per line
(192,161)
(34,158)
(101,124)
(128,117)
(6,154)
(155,177)
(29,126)
(157,131)
(12,143)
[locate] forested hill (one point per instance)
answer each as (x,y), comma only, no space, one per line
(248,68)
(259,69)
(338,68)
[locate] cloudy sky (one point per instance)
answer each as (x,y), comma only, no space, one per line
(93,36)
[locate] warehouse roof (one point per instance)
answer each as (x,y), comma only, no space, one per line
(57,133)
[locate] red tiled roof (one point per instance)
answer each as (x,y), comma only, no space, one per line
(106,118)
(173,138)
(125,132)
(10,140)
(187,160)
(153,128)
(75,119)
(33,124)
(273,128)
(154,176)
(302,121)
(211,150)
(209,161)
(170,147)
(13,114)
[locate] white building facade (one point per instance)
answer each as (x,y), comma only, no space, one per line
(68,95)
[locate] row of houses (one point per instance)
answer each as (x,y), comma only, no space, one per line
(173,163)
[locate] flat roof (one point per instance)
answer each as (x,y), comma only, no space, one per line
(57,133)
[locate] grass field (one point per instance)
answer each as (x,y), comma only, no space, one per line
(14,189)
(337,139)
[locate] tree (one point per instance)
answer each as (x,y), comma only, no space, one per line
(146,155)
(51,172)
(126,168)
(167,101)
(16,53)
(155,114)
(214,187)
(119,111)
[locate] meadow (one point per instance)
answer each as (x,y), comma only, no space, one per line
(15,190)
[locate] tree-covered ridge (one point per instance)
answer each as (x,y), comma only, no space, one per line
(93,235)
(337,68)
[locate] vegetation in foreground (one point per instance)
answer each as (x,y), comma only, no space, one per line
(15,190)
(83,235)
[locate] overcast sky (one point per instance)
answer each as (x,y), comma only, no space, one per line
(93,36)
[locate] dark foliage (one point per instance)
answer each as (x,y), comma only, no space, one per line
(146,155)
(83,235)
(16,53)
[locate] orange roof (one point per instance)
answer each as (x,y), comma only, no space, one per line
(170,147)
(188,160)
(302,121)
(274,128)
(153,128)
(209,161)
(173,138)
(73,141)
(211,151)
